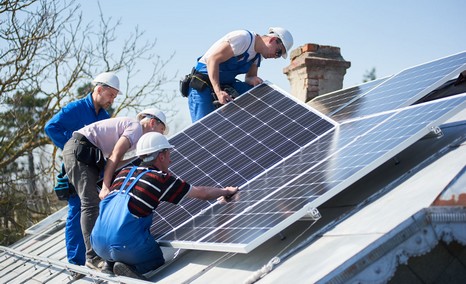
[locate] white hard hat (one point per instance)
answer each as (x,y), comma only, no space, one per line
(153,112)
(109,79)
(152,142)
(285,36)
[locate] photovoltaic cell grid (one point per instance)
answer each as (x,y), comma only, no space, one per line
(402,89)
(235,144)
(330,103)
(283,194)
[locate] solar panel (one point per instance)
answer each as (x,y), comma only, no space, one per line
(237,143)
(306,178)
(330,103)
(400,90)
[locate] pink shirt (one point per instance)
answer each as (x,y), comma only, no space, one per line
(104,134)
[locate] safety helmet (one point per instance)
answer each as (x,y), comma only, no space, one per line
(153,112)
(285,36)
(108,79)
(152,142)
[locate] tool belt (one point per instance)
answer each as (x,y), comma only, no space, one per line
(200,81)
(195,80)
(88,153)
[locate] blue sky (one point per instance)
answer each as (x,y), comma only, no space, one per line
(388,36)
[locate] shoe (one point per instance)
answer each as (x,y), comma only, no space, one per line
(122,269)
(107,268)
(95,263)
(76,275)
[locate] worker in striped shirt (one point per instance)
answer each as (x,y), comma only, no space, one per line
(121,234)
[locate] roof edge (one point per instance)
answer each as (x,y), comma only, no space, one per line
(414,237)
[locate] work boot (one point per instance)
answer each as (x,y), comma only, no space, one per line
(76,275)
(108,267)
(95,263)
(122,269)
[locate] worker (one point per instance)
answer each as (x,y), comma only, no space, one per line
(239,52)
(121,233)
(100,147)
(59,128)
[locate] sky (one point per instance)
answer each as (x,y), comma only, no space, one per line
(386,35)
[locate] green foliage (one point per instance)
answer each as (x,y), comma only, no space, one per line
(370,75)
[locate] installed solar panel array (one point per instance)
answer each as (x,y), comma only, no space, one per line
(400,90)
(286,159)
(331,103)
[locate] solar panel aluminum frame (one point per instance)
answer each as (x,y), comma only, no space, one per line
(245,248)
(306,212)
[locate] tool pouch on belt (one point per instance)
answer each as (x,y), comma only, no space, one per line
(90,155)
(64,189)
(200,81)
(184,85)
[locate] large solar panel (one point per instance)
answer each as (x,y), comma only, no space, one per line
(307,178)
(286,158)
(400,90)
(237,143)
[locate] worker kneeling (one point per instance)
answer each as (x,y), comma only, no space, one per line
(121,234)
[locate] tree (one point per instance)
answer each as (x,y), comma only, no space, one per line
(46,52)
(369,75)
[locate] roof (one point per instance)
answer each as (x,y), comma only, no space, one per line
(364,233)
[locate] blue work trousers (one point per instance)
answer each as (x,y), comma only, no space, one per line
(75,247)
(201,103)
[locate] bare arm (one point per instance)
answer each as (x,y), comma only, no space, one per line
(251,77)
(208,192)
(222,54)
(118,152)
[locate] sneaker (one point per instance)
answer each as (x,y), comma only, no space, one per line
(76,275)
(122,269)
(95,263)
(108,267)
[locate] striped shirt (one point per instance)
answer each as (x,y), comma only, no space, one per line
(152,188)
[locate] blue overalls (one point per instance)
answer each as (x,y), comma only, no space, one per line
(120,236)
(200,103)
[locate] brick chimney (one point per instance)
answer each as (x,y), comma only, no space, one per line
(315,70)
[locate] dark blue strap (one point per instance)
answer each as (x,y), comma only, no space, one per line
(250,35)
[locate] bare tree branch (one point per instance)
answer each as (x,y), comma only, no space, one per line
(47,52)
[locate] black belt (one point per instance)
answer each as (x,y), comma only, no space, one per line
(82,139)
